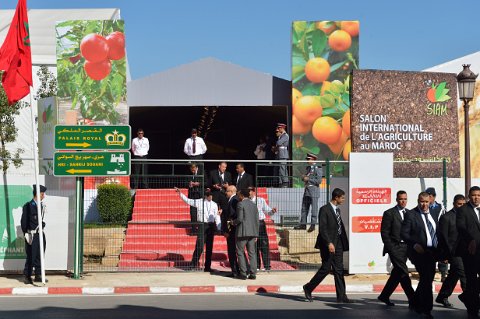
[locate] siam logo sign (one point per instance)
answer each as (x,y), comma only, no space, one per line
(410,114)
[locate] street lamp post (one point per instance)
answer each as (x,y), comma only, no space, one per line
(466,90)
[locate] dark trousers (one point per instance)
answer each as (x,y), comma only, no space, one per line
(283,173)
(308,201)
(205,236)
(426,267)
(195,156)
(140,172)
(263,246)
(472,270)
(442,267)
(193,219)
(334,262)
(33,256)
(399,274)
(232,251)
(455,273)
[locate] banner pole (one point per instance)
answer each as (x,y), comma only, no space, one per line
(37,189)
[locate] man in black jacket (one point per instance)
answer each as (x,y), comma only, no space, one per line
(194,185)
(332,241)
(396,248)
(243,179)
(228,229)
(419,231)
(218,181)
(448,237)
(29,224)
(468,248)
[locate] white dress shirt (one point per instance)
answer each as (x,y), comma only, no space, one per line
(260,151)
(207,211)
(140,146)
(200,147)
(263,208)
(432,221)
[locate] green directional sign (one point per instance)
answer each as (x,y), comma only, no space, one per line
(85,137)
(91,164)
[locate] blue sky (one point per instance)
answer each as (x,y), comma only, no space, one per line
(398,35)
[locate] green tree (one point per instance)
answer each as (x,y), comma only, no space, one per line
(8,132)
(48,83)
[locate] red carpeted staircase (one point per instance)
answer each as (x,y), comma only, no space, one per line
(159,236)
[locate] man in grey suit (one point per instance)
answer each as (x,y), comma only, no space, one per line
(282,154)
(246,233)
(312,179)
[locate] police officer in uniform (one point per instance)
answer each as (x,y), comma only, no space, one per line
(282,154)
(312,179)
(29,224)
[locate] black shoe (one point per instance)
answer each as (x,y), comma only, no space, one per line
(39,279)
(443,301)
(311,228)
(386,301)
(344,300)
(308,294)
(28,280)
(207,270)
(242,277)
(252,276)
(300,227)
(231,275)
(427,315)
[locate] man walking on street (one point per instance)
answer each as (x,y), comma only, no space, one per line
(468,248)
(246,233)
(448,237)
(396,249)
(332,241)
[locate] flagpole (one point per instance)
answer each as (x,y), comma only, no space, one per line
(37,185)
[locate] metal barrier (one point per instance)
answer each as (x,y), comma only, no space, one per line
(162,234)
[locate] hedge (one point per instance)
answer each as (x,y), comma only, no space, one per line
(114,203)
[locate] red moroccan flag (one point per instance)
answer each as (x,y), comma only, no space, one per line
(16,57)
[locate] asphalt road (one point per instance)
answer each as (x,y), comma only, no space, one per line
(211,306)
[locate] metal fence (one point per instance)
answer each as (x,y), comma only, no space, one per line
(162,233)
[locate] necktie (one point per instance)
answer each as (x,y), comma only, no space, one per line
(194,147)
(431,230)
(402,214)
(239,178)
(339,220)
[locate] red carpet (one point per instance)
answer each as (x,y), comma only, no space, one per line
(159,236)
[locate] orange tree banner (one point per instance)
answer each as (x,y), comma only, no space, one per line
(323,55)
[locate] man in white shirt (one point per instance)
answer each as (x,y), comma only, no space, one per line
(140,147)
(208,215)
(195,146)
(263,246)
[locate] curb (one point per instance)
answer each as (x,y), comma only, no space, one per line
(360,288)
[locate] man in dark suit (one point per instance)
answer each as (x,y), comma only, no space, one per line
(218,181)
(312,179)
(332,241)
(419,232)
(228,229)
(447,240)
(194,182)
(468,248)
(246,234)
(243,179)
(396,249)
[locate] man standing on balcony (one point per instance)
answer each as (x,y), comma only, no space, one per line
(140,148)
(209,216)
(312,179)
(194,146)
(282,154)
(243,180)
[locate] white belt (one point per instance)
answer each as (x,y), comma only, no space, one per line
(282,147)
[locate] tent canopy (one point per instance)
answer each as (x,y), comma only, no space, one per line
(209,81)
